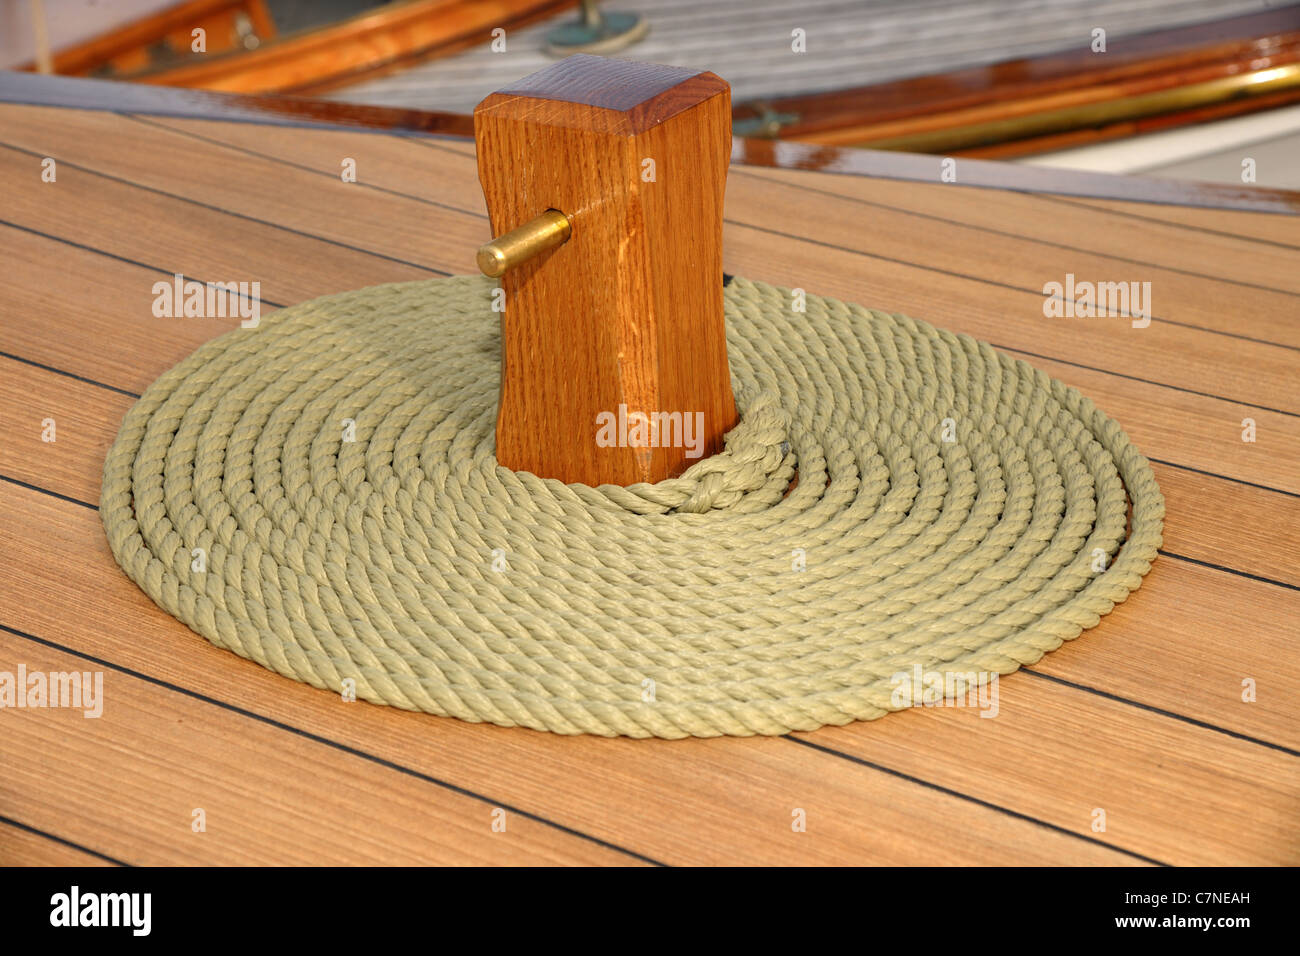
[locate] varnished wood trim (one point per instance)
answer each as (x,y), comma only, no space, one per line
(1140,126)
(1012,91)
(1047,120)
(84,57)
(369,43)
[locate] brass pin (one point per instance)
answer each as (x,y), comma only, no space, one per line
(547,231)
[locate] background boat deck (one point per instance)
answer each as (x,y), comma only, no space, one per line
(849,44)
(1141,717)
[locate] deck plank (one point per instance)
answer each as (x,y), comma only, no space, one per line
(201,242)
(22,847)
(1279,231)
(1074,224)
(1158,781)
(132,778)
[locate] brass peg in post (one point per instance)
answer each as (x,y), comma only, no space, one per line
(517,246)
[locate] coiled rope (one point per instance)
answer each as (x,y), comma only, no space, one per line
(953,511)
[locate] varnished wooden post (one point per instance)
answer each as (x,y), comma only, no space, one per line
(614,361)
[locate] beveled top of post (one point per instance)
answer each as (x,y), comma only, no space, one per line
(636,96)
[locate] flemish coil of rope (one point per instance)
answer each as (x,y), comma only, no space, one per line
(952,509)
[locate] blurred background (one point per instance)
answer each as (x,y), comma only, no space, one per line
(1187,89)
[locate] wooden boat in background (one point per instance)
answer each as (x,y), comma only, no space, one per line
(245,52)
(858,86)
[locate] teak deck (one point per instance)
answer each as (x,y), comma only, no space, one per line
(1142,717)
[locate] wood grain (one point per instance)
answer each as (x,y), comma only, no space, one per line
(175,754)
(1142,716)
(625,318)
(1075,227)
(1280,231)
(21,847)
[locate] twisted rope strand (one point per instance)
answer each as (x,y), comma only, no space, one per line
(405,559)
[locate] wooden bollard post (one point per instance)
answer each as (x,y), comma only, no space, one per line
(604,182)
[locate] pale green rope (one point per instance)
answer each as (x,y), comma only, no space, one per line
(377,560)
